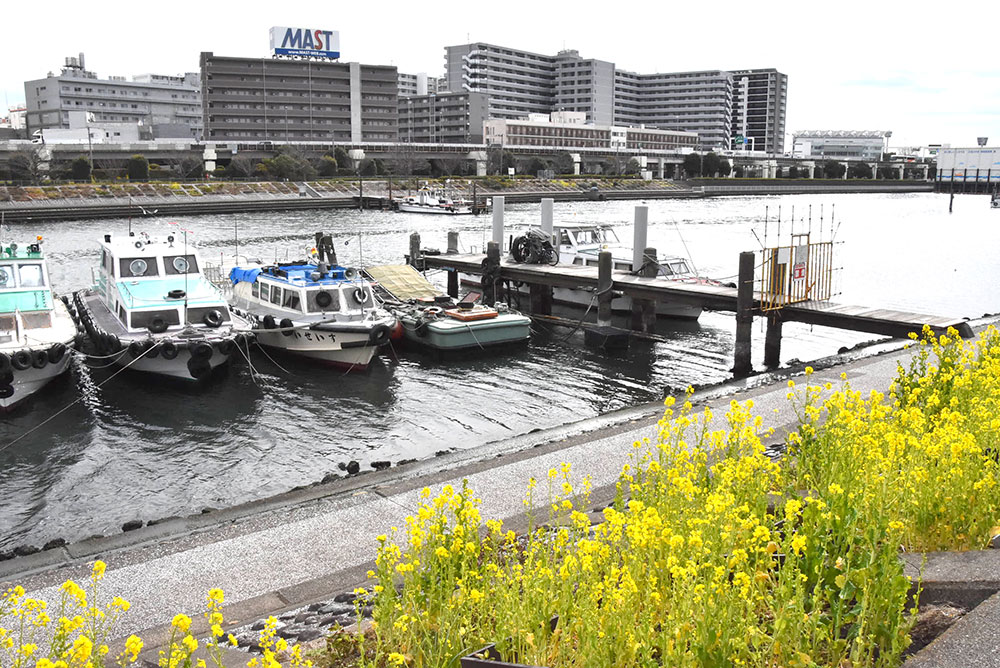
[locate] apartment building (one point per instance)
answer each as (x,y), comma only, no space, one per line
(167,106)
(516,82)
(279,99)
(585,85)
(418,84)
(451,118)
(760,98)
(699,102)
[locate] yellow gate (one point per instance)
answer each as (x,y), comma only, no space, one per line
(796,273)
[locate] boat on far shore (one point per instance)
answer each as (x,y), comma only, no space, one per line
(433,201)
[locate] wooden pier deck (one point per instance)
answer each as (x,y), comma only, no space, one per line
(885,322)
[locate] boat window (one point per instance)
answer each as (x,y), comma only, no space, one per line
(180,264)
(578,260)
(679,267)
(291,300)
(591,263)
(255,289)
(322,300)
(623,266)
(30,275)
(564,238)
(106,261)
(6,276)
(275,295)
(137,267)
(265,292)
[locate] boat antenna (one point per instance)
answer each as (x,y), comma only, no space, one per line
(236,238)
(686,251)
(130,214)
(187,268)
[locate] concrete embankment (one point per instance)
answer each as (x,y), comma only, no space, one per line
(376,195)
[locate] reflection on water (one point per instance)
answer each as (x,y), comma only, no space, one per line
(98,450)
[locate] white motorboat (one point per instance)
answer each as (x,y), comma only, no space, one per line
(37,333)
(318,310)
(152,309)
(431,201)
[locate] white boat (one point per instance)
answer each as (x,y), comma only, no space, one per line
(995,201)
(582,243)
(430,201)
(317,309)
(36,331)
(152,309)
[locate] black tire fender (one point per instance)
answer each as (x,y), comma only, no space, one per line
(169,350)
(56,352)
(201,350)
(21,360)
(39,359)
(380,335)
(213,318)
(287,325)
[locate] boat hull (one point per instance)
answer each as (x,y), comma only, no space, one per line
(417,208)
(584,298)
(30,381)
(447,334)
(339,348)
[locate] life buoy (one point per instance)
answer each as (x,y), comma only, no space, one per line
(380,335)
(323,299)
(157,325)
(434,310)
(169,350)
(56,352)
(199,367)
(359,295)
(213,318)
(6,391)
(176,294)
(20,360)
(269,322)
(39,359)
(201,350)
(4,363)
(287,325)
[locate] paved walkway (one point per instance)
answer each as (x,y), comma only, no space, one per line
(311,544)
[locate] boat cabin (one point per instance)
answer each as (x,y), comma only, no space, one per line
(580,244)
(24,288)
(155,283)
(305,289)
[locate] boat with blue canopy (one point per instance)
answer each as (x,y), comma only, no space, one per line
(314,308)
(37,333)
(152,309)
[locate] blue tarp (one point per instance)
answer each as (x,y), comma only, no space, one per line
(239,274)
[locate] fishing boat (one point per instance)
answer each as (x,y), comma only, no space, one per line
(435,321)
(431,201)
(314,308)
(37,333)
(152,309)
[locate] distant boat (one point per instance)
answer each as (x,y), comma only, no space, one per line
(995,200)
(428,201)
(36,331)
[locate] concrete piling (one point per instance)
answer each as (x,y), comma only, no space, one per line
(498,220)
(639,236)
(744,315)
(644,310)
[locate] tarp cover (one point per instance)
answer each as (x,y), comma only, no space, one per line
(402,281)
(239,274)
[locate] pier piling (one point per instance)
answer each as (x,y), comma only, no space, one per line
(452,242)
(639,238)
(498,220)
(644,310)
(744,315)
(491,271)
(415,250)
(604,292)
(547,215)
(772,341)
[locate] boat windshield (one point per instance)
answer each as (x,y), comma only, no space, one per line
(674,267)
(30,275)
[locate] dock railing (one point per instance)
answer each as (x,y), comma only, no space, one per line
(799,272)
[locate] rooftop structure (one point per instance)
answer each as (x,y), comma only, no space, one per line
(861,144)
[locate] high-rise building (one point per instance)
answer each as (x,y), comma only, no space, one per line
(450,118)
(516,82)
(519,83)
(278,99)
(586,85)
(169,106)
(685,101)
(760,98)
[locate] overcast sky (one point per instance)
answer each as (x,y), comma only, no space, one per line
(928,75)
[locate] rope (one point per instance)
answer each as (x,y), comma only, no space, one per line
(72,403)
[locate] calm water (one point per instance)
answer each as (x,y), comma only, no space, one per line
(99,452)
